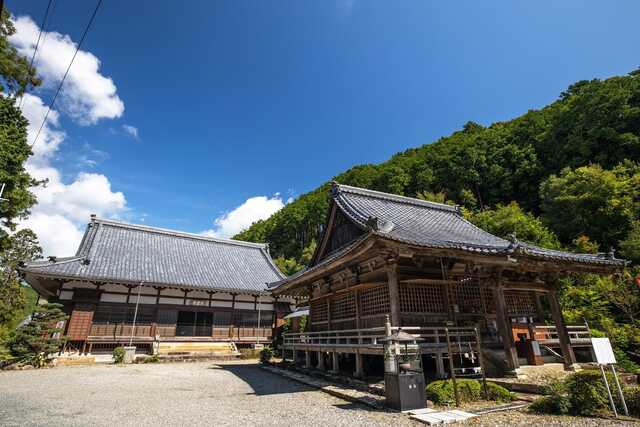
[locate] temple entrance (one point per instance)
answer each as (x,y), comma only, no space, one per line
(194,324)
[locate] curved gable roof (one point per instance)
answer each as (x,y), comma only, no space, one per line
(438,225)
(118,252)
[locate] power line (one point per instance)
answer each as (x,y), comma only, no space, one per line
(53,100)
(35,50)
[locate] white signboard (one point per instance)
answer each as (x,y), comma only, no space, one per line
(603,351)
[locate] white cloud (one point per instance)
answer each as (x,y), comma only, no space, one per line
(87,95)
(64,206)
(63,209)
(252,210)
(57,234)
(131,130)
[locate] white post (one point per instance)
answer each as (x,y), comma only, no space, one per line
(135,314)
(606,383)
(620,393)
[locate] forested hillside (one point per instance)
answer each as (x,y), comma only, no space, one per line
(566,175)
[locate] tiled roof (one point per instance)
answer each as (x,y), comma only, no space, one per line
(113,251)
(438,225)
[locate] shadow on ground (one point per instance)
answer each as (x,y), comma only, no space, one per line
(263,382)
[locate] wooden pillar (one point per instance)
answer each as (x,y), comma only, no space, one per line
(394,291)
(539,309)
(440,372)
(504,326)
(335,366)
(359,373)
(320,364)
(356,296)
(307,359)
(561,329)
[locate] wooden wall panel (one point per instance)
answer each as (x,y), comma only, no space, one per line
(80,322)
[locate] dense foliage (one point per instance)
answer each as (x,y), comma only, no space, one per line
(442,391)
(584,393)
(16,76)
(39,337)
(565,176)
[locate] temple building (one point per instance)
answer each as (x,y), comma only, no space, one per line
(439,277)
(165,291)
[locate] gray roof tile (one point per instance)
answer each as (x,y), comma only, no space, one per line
(118,252)
(437,225)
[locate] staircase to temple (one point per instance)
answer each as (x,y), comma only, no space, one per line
(200,349)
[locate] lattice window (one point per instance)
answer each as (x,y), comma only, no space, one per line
(422,299)
(343,306)
(318,311)
(489,298)
(374,301)
(467,297)
(520,303)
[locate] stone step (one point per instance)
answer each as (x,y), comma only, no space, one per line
(434,417)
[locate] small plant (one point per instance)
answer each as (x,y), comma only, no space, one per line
(151,359)
(442,392)
(118,355)
(498,393)
(632,397)
(265,355)
(556,404)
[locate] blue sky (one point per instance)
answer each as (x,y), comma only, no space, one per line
(238,99)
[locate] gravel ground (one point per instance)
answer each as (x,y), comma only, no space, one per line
(203,393)
(174,394)
(520,418)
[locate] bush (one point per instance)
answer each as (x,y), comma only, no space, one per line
(556,404)
(441,392)
(632,397)
(118,355)
(587,393)
(498,393)
(265,355)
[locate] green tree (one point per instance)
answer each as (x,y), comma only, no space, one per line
(630,246)
(33,342)
(591,201)
(510,219)
(16,73)
(23,247)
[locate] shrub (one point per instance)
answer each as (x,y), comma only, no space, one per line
(441,392)
(265,355)
(632,397)
(118,355)
(556,404)
(587,392)
(498,393)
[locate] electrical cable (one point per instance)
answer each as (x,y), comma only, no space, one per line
(53,100)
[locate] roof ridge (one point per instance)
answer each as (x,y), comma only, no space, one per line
(396,197)
(176,233)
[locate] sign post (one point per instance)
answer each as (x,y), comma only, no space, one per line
(604,356)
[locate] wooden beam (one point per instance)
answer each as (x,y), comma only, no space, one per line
(394,291)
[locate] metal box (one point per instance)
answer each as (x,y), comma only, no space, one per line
(405,391)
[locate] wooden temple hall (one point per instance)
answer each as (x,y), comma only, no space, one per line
(434,274)
(194,294)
